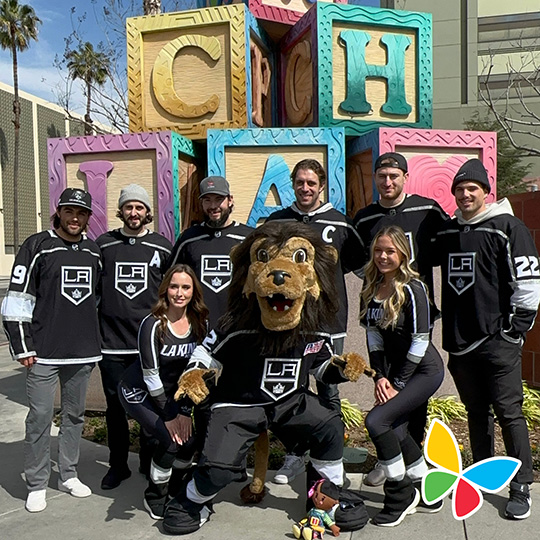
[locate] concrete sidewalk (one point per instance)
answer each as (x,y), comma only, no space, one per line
(119,514)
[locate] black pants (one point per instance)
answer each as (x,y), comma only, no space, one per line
(387,424)
(490,376)
(112,368)
(233,430)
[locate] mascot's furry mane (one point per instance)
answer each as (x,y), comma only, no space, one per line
(318,313)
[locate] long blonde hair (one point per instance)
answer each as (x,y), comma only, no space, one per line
(393,303)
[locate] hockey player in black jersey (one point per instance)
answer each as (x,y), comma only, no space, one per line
(309,181)
(50,318)
(134,260)
(420,218)
(255,366)
(490,295)
(206,247)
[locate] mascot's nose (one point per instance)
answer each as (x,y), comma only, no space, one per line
(279,276)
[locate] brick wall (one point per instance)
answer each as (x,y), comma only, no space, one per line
(527,208)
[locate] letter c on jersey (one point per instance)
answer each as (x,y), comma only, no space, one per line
(326,234)
(163,82)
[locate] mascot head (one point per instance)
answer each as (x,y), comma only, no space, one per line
(283,280)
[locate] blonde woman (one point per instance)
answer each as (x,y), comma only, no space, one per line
(395,310)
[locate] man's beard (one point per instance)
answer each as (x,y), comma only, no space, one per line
(133,227)
(218,224)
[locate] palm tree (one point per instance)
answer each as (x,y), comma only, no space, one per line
(18,26)
(92,67)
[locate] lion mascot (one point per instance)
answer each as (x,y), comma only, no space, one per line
(255,367)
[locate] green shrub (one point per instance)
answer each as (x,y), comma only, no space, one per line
(446,409)
(351,415)
(531,406)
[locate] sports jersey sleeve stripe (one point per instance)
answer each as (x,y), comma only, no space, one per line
(149,356)
(18,306)
(176,251)
(201,359)
(157,246)
(34,261)
(421,322)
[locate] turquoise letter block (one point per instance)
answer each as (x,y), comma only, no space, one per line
(358,71)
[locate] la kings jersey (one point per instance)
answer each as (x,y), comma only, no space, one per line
(335,229)
(50,307)
(247,377)
(133,267)
(419,217)
(490,278)
(207,250)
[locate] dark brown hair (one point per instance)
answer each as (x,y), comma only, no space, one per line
(197,312)
(313,165)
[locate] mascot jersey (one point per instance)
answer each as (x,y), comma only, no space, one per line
(132,270)
(248,378)
(207,250)
(337,230)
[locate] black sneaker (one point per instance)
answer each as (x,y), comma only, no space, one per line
(426,508)
(155,507)
(183,516)
(519,503)
(393,515)
(114,477)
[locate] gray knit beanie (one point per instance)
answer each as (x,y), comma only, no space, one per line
(134,192)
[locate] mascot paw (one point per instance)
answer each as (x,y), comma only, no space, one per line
(192,385)
(353,366)
(252,494)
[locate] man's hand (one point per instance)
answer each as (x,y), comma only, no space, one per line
(28,362)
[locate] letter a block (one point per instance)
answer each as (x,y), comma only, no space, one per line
(166,164)
(358,68)
(258,164)
(433,158)
(194,70)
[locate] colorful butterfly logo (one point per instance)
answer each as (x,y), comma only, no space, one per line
(491,475)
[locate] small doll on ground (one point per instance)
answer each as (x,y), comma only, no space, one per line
(325,497)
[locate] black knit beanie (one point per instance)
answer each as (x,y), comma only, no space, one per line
(473,170)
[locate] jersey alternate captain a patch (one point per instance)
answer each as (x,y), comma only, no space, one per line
(131,278)
(280,376)
(76,283)
(216,271)
(461,271)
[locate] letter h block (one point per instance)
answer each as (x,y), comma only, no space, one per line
(433,157)
(357,67)
(168,165)
(194,70)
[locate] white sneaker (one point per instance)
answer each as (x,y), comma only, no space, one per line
(376,477)
(74,487)
(35,502)
(292,467)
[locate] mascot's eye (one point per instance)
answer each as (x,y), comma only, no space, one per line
(299,256)
(262,255)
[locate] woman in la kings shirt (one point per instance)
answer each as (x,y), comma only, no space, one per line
(395,310)
(167,337)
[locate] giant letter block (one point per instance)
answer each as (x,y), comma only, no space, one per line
(357,67)
(433,156)
(258,164)
(166,164)
(194,70)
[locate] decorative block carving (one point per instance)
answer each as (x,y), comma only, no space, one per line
(193,70)
(357,67)
(258,163)
(433,155)
(166,164)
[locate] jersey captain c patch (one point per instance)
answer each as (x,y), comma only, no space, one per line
(131,278)
(280,376)
(76,283)
(461,271)
(216,271)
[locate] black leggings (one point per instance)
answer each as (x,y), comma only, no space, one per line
(387,423)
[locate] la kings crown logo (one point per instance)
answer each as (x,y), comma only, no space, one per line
(280,377)
(76,283)
(216,271)
(131,278)
(461,271)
